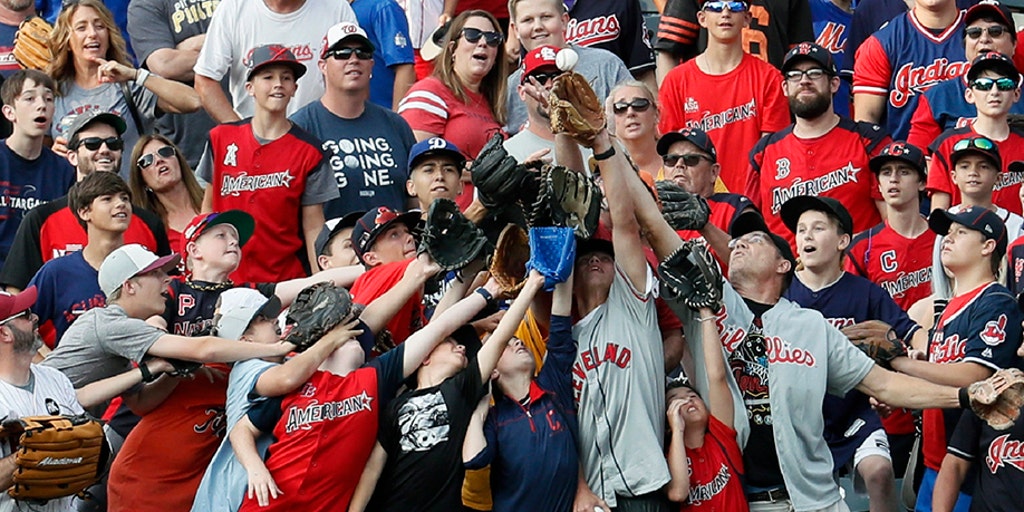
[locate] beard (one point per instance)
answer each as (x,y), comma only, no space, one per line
(17,5)
(25,342)
(811,108)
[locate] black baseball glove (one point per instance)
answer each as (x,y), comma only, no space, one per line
(681,209)
(451,239)
(691,275)
(316,310)
(496,175)
(575,201)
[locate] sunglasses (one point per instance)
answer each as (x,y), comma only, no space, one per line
(985,84)
(26,313)
(689,160)
(346,54)
(795,75)
(719,6)
(994,31)
(94,143)
(148,159)
(974,143)
(544,78)
(473,35)
(638,104)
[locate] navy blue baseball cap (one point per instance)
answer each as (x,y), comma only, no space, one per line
(270,54)
(751,221)
(375,222)
(982,220)
(796,206)
(694,136)
(434,146)
(993,61)
(813,52)
(995,11)
(902,151)
(332,228)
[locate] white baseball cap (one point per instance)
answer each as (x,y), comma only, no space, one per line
(343,31)
(237,308)
(129,261)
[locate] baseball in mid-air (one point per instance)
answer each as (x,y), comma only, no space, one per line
(566,59)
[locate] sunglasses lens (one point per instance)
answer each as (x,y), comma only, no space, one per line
(973,32)
(670,160)
(982,84)
(472,34)
(145,161)
(982,143)
(1006,84)
(691,160)
(165,152)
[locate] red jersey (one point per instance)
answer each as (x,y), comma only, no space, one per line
(1006,193)
(163,476)
(715,472)
(377,281)
(734,109)
(834,165)
(270,182)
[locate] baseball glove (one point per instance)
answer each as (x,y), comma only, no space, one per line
(534,194)
(998,399)
(316,310)
(496,175)
(508,266)
(574,108)
(691,275)
(876,339)
(58,456)
(575,201)
(32,44)
(552,253)
(450,238)
(681,209)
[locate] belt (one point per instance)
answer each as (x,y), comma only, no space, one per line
(771,495)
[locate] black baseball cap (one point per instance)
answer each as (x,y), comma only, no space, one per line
(270,54)
(332,228)
(813,52)
(993,10)
(796,206)
(694,136)
(993,61)
(982,220)
(900,150)
(751,221)
(594,244)
(375,222)
(978,146)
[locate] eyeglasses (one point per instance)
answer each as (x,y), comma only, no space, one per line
(346,54)
(796,75)
(94,143)
(638,104)
(757,238)
(474,34)
(689,159)
(994,31)
(148,159)
(544,78)
(719,6)
(974,143)
(26,313)
(985,84)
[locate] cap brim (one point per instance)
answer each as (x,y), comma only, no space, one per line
(409,219)
(358,37)
(748,222)
(22,301)
(271,309)
(792,210)
(114,120)
(955,156)
(666,141)
(430,50)
(595,245)
(242,222)
(459,157)
(297,67)
(940,220)
(165,263)
(1000,67)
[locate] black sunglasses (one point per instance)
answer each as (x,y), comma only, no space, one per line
(638,104)
(148,159)
(94,143)
(994,31)
(544,78)
(346,53)
(474,34)
(689,159)
(1002,83)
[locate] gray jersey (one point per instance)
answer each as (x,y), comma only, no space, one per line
(619,380)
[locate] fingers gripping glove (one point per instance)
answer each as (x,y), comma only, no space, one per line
(451,239)
(508,266)
(552,253)
(316,310)
(691,275)
(32,44)
(998,399)
(575,201)
(882,350)
(58,455)
(496,175)
(574,108)
(681,209)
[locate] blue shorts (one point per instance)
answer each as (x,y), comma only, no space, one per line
(924,494)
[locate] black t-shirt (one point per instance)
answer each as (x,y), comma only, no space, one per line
(422,433)
(191,304)
(996,478)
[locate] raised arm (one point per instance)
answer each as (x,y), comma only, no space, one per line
(487,357)
(340,276)
(379,312)
(210,349)
(629,253)
(719,396)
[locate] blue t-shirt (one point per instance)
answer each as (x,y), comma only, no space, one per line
(388,29)
(831,29)
(368,155)
(25,184)
(68,286)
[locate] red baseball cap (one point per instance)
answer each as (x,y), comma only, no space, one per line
(540,57)
(13,305)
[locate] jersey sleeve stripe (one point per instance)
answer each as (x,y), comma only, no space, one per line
(427,107)
(952,450)
(984,362)
(866,89)
(424,96)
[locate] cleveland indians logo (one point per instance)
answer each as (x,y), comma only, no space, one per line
(994,332)
(1005,451)
(888,261)
(910,80)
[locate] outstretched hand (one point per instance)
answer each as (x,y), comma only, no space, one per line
(111,71)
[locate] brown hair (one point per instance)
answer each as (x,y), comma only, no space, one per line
(15,83)
(62,67)
(146,197)
(98,184)
(512,7)
(493,86)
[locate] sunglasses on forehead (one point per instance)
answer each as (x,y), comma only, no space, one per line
(94,143)
(974,143)
(473,35)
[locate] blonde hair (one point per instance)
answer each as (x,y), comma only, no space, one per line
(493,86)
(512,7)
(62,67)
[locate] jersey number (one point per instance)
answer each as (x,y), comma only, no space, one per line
(755,34)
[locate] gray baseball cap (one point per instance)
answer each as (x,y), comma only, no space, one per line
(129,261)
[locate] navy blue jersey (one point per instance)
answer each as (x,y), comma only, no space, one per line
(831,31)
(998,459)
(613,25)
(191,304)
(942,108)
(851,300)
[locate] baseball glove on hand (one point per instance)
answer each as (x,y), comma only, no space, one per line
(681,209)
(508,266)
(316,310)
(58,456)
(496,175)
(32,44)
(451,239)
(575,201)
(998,399)
(691,275)
(574,108)
(876,339)
(552,254)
